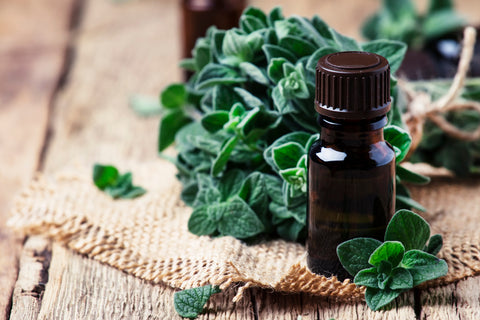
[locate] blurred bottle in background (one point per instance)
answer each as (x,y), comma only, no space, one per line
(199,15)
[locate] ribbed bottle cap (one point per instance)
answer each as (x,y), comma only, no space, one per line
(352,85)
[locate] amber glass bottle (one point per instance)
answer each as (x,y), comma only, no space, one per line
(351,168)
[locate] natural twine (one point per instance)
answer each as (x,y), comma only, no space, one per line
(421,106)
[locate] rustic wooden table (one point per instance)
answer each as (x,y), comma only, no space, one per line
(67,69)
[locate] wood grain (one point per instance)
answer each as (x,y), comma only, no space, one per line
(33,40)
(33,275)
(130,47)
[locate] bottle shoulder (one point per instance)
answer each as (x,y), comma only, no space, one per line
(376,154)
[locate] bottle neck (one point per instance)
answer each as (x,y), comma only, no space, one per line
(352,133)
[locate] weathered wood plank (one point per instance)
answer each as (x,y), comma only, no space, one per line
(33,275)
(456,301)
(31,64)
(133,47)
(281,306)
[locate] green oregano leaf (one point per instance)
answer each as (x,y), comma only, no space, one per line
(190,303)
(391,251)
(434,244)
(377,298)
(354,254)
(367,277)
(408,228)
(423,266)
(174,96)
(401,279)
(108,179)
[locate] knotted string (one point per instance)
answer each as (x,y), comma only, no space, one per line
(421,106)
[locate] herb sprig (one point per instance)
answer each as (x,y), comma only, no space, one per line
(244,122)
(402,262)
(109,180)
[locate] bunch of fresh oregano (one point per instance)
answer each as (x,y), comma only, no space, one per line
(400,20)
(402,262)
(244,122)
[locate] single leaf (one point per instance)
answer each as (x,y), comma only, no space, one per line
(367,278)
(297,46)
(251,24)
(287,155)
(408,228)
(190,303)
(401,279)
(200,223)
(170,124)
(344,43)
(239,220)
(291,230)
(273,51)
(391,251)
(215,74)
(145,106)
(104,175)
(275,69)
(250,101)
(275,15)
(434,244)
(354,254)
(423,266)
(407,203)
(253,191)
(377,298)
(406,175)
(218,165)
(398,138)
(255,73)
(313,59)
(392,50)
(215,121)
(133,192)
(231,183)
(174,96)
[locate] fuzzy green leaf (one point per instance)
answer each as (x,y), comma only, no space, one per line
(215,121)
(190,303)
(174,96)
(367,278)
(391,251)
(200,223)
(406,175)
(393,51)
(423,266)
(354,254)
(170,124)
(377,298)
(287,155)
(408,228)
(434,244)
(221,160)
(401,279)
(239,220)
(399,139)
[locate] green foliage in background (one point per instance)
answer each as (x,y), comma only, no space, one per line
(399,20)
(442,150)
(244,122)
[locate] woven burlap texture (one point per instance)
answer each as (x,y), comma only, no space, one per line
(148,237)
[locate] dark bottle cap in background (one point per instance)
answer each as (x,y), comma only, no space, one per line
(352,85)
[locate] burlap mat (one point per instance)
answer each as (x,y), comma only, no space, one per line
(148,236)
